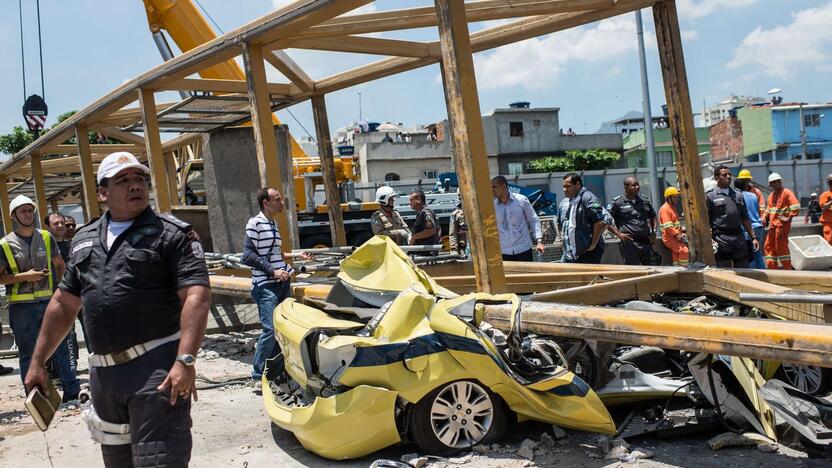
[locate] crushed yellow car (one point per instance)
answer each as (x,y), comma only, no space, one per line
(391,356)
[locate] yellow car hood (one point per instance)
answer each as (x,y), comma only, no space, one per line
(380,265)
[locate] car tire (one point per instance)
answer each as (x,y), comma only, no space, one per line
(811,380)
(441,422)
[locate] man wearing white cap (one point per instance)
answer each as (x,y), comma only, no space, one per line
(29,257)
(144,286)
(782,207)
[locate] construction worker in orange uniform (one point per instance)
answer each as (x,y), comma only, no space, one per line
(782,207)
(671,229)
(745,174)
(826,210)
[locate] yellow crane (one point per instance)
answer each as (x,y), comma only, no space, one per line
(189,29)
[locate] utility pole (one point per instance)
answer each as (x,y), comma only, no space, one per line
(360,114)
(648,114)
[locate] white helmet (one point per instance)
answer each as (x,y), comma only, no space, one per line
(19,201)
(774,176)
(384,193)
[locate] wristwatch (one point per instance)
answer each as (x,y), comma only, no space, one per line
(187,359)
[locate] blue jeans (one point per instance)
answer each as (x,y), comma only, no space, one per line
(757,260)
(267,297)
(25,320)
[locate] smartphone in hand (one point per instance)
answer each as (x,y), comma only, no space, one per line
(43,408)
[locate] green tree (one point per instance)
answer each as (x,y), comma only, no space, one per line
(15,141)
(577,160)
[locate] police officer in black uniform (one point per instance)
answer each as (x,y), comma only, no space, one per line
(728,217)
(635,224)
(144,285)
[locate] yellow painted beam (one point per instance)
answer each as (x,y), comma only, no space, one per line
(40,187)
(155,156)
(88,181)
(468,145)
(263,127)
(4,206)
(333,197)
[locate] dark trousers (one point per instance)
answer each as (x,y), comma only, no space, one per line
(519,257)
(160,433)
(738,259)
(267,298)
(25,320)
(593,256)
(637,253)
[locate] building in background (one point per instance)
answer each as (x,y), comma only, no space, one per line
(722,111)
(630,122)
(635,147)
(774,132)
(726,139)
(514,136)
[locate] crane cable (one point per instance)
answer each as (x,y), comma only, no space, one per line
(23,53)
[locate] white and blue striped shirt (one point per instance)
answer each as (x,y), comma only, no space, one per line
(261,250)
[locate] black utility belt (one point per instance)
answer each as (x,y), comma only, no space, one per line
(730,232)
(640,240)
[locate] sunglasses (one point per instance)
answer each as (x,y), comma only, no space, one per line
(69,225)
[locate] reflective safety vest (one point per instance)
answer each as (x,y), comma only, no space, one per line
(15,296)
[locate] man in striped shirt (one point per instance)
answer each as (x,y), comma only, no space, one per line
(270,274)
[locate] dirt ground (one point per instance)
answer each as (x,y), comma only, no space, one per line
(231,429)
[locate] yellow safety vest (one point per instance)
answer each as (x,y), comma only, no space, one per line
(37,294)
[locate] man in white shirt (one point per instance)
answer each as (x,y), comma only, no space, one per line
(517,222)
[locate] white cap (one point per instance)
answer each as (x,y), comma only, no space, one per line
(774,176)
(117,162)
(19,201)
(813,194)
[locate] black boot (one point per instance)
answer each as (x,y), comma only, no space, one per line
(5,370)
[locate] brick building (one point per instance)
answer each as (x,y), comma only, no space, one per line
(726,140)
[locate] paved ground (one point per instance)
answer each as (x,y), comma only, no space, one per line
(231,429)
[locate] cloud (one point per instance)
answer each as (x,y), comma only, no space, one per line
(784,50)
(538,63)
(693,9)
(369,8)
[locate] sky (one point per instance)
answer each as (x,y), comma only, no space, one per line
(743,47)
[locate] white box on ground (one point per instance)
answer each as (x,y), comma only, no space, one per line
(810,253)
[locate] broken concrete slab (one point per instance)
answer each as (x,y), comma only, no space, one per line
(731,439)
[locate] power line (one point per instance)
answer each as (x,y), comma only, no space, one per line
(209,17)
(301,125)
(22,54)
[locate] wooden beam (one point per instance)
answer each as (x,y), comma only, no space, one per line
(173,180)
(480,41)
(281,61)
(683,131)
(614,291)
(119,134)
(726,284)
(88,180)
(776,340)
(468,145)
(226,86)
(100,149)
(284,158)
(180,141)
(333,196)
(365,45)
(802,280)
(155,156)
(265,142)
(4,206)
(40,187)
(424,17)
(536,282)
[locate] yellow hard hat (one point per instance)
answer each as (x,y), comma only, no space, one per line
(744,174)
(671,191)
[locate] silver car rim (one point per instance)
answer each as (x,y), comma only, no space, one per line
(807,379)
(461,414)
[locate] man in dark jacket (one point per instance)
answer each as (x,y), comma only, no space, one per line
(583,223)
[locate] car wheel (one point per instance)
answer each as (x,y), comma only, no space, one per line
(457,416)
(811,380)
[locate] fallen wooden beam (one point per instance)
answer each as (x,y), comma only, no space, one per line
(728,285)
(642,287)
(525,283)
(777,340)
